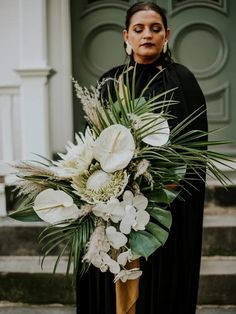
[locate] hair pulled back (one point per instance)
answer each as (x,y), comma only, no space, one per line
(145,6)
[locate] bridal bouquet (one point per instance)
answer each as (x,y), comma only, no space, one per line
(106,200)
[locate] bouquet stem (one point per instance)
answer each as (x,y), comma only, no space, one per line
(127,292)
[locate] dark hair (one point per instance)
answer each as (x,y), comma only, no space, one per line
(145,6)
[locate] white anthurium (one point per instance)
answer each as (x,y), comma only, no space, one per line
(124,257)
(159,131)
(78,157)
(128,274)
(114,267)
(135,215)
(115,238)
(114,148)
(111,210)
(54,206)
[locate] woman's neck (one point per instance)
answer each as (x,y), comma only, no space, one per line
(145,60)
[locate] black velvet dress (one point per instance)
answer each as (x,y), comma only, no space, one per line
(169,283)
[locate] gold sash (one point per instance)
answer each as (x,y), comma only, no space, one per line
(127,292)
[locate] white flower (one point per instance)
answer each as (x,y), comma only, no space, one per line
(142,167)
(97,243)
(98,180)
(97,253)
(115,238)
(124,257)
(78,157)
(110,210)
(114,148)
(95,185)
(55,206)
(128,220)
(135,215)
(158,129)
(126,274)
(114,267)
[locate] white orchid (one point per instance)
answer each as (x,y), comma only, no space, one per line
(135,215)
(54,206)
(115,238)
(98,249)
(78,157)
(114,267)
(111,210)
(114,148)
(128,274)
(158,129)
(124,257)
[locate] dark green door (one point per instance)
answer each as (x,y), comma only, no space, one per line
(202,38)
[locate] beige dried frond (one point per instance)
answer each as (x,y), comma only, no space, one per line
(27,168)
(25,187)
(91,103)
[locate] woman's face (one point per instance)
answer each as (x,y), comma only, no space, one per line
(146,35)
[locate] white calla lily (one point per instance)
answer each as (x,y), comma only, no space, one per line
(114,148)
(54,206)
(115,238)
(128,274)
(159,131)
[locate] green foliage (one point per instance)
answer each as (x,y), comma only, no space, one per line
(70,240)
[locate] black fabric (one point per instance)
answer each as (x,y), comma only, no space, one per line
(169,282)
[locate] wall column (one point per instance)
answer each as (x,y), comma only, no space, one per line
(33,71)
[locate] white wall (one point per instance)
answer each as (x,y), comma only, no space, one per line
(59,57)
(35,86)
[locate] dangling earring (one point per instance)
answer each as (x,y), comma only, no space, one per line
(165,46)
(128,48)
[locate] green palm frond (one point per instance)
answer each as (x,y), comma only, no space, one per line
(71,241)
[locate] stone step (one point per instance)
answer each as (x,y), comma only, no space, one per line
(219,235)
(209,309)
(23,280)
(21,308)
(17,238)
(18,308)
(218,195)
(217,280)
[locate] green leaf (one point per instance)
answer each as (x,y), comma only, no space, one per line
(25,216)
(24,211)
(158,232)
(163,196)
(180,172)
(163,216)
(143,243)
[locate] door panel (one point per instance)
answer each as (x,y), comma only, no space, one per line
(97,43)
(202,38)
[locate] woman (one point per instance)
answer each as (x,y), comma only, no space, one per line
(169,282)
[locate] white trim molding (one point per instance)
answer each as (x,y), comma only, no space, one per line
(33,71)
